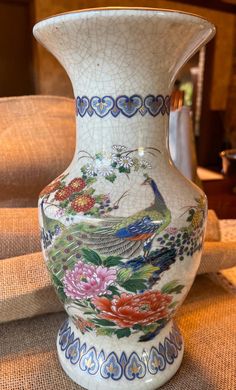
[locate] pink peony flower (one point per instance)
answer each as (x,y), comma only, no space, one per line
(87,280)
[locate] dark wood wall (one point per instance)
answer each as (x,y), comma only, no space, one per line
(16,68)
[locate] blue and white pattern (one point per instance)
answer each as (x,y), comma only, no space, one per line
(123,105)
(114,367)
(89,361)
(111,367)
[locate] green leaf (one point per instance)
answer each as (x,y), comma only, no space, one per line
(83,169)
(99,156)
(114,290)
(123,275)
(91,256)
(137,327)
(104,331)
(111,178)
(90,180)
(90,191)
(99,198)
(134,285)
(172,287)
(80,304)
(123,333)
(64,203)
(145,272)
(149,328)
(88,312)
(124,170)
(56,281)
(173,305)
(112,261)
(102,322)
(94,211)
(59,288)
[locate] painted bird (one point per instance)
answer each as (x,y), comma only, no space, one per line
(126,236)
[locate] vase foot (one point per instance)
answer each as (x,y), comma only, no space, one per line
(104,363)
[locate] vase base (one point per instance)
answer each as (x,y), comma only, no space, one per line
(116,364)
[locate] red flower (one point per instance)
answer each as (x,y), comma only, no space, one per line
(83,324)
(77,184)
(128,310)
(50,188)
(83,203)
(63,193)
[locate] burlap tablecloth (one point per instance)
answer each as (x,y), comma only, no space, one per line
(28,358)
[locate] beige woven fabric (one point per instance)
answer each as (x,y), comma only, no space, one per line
(19,232)
(26,289)
(213,227)
(217,256)
(38,134)
(226,278)
(207,320)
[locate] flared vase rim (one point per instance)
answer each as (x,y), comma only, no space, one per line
(102,10)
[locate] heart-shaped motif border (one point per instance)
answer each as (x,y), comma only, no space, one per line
(123,104)
(102,106)
(82,104)
(154,104)
(129,105)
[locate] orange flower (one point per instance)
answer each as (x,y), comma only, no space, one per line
(129,310)
(77,184)
(83,203)
(63,193)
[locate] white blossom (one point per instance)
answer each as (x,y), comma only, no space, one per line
(104,168)
(144,164)
(115,158)
(91,169)
(125,162)
(119,148)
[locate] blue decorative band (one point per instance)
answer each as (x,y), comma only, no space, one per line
(123,105)
(112,366)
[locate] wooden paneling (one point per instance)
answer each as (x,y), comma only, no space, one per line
(16,73)
(221,197)
(221,5)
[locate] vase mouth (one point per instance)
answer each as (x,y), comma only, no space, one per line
(102,10)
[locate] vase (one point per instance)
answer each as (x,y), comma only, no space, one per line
(122,230)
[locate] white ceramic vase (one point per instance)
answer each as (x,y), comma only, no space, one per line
(122,229)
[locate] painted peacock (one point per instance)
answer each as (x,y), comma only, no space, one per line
(126,236)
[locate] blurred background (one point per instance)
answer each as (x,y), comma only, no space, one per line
(207,83)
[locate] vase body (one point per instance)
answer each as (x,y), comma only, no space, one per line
(122,229)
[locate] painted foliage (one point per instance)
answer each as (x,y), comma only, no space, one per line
(107,273)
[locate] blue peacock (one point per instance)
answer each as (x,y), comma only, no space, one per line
(127,236)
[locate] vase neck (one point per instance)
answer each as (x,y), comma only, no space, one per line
(131,122)
(122,64)
(137,121)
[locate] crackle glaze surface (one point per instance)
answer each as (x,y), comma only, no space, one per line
(122,230)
